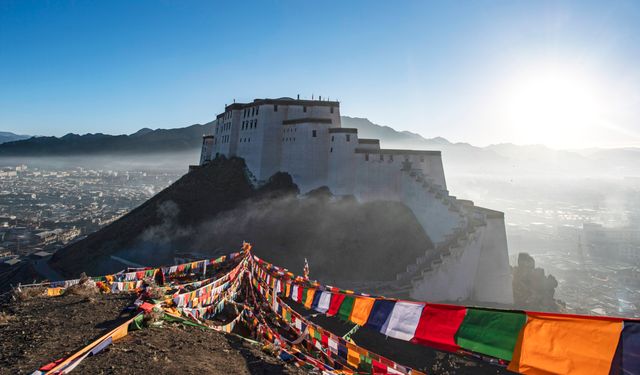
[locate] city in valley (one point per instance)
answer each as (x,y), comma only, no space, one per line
(43,209)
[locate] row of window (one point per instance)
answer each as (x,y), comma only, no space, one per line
(224,139)
(245,140)
(390,158)
(249,124)
(289,139)
(348,137)
(248,112)
(224,127)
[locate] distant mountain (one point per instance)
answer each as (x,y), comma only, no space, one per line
(10,137)
(144,141)
(459,158)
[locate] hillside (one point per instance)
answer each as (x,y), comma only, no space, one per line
(213,209)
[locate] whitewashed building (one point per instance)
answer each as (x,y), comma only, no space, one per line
(305,139)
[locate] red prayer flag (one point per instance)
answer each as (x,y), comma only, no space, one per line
(378,368)
(438,325)
(334,304)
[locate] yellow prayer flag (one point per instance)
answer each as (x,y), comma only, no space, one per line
(53,292)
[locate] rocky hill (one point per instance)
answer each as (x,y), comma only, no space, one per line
(212,209)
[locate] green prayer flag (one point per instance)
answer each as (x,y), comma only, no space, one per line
(345,308)
(365,364)
(490,332)
(136,323)
(304,295)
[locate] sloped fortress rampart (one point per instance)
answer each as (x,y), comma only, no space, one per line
(305,139)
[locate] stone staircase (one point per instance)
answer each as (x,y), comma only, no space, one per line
(454,243)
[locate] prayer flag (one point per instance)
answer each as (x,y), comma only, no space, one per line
(361,309)
(346,307)
(380,313)
(309,300)
(324,302)
(334,305)
(558,344)
(490,332)
(403,320)
(438,326)
(627,358)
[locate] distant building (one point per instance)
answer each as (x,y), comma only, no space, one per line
(305,139)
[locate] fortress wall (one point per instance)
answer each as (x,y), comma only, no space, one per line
(207,149)
(270,125)
(377,177)
(432,167)
(493,280)
(453,279)
(342,162)
(304,156)
(297,112)
(250,143)
(435,217)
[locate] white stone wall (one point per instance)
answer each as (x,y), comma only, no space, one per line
(305,156)
(342,161)
(493,280)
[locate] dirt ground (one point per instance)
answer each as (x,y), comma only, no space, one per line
(175,349)
(40,330)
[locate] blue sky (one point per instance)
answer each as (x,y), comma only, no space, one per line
(566,74)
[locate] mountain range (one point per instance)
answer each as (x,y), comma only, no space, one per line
(10,137)
(462,158)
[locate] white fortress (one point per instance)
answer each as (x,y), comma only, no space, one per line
(305,139)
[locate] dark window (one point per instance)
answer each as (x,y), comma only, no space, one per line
(331,109)
(348,137)
(331,138)
(366,157)
(275,108)
(313,133)
(390,157)
(421,159)
(331,150)
(257,109)
(304,108)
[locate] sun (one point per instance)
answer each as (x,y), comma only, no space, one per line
(552,105)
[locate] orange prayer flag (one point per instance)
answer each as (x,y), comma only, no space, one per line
(309,300)
(557,344)
(353,358)
(361,309)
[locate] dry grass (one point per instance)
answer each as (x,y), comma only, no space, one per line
(25,294)
(5,318)
(86,287)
